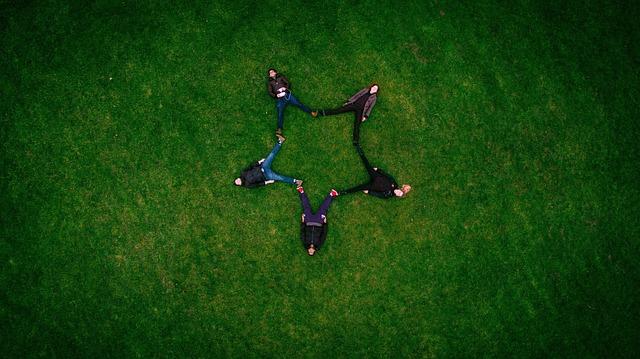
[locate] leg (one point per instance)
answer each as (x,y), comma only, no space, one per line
(271,175)
(294,101)
(280,106)
(266,165)
(366,163)
(306,206)
(356,126)
(335,111)
(324,207)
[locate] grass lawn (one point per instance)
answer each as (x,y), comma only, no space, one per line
(124,123)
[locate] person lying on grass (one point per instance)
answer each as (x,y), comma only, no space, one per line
(360,104)
(380,184)
(280,89)
(313,228)
(260,173)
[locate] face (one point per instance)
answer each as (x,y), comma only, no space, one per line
(373,89)
(311,250)
(238,181)
(272,73)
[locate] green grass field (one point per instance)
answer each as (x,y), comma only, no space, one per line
(123,125)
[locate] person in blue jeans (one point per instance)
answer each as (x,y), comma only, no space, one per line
(280,89)
(261,174)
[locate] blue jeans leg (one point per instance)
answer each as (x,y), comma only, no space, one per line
(280,106)
(266,165)
(270,175)
(294,101)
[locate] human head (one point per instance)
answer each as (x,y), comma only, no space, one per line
(272,72)
(400,192)
(374,88)
(238,181)
(311,250)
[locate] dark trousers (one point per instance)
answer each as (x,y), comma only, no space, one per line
(309,216)
(357,111)
(367,166)
(284,101)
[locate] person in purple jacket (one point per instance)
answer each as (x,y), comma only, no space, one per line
(313,228)
(360,104)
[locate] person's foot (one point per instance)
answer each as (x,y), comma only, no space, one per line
(281,138)
(334,193)
(300,189)
(299,183)
(314,114)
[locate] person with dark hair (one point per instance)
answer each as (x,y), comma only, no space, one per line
(360,104)
(313,228)
(280,89)
(380,184)
(260,173)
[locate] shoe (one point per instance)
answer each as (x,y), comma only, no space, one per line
(281,138)
(334,193)
(300,189)
(314,114)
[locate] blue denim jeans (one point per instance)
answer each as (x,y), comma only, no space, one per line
(286,100)
(266,167)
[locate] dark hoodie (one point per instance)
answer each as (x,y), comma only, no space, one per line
(313,234)
(253,176)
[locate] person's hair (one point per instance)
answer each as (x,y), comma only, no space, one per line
(271,68)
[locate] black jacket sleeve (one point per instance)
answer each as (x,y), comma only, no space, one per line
(383,195)
(286,82)
(358,188)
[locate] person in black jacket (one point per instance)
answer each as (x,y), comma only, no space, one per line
(280,89)
(360,104)
(381,184)
(313,228)
(260,173)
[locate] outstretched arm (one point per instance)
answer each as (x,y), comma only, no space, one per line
(377,194)
(362,187)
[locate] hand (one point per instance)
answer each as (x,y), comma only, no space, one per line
(364,118)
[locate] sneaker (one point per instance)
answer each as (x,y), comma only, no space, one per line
(314,114)
(300,189)
(281,138)
(334,193)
